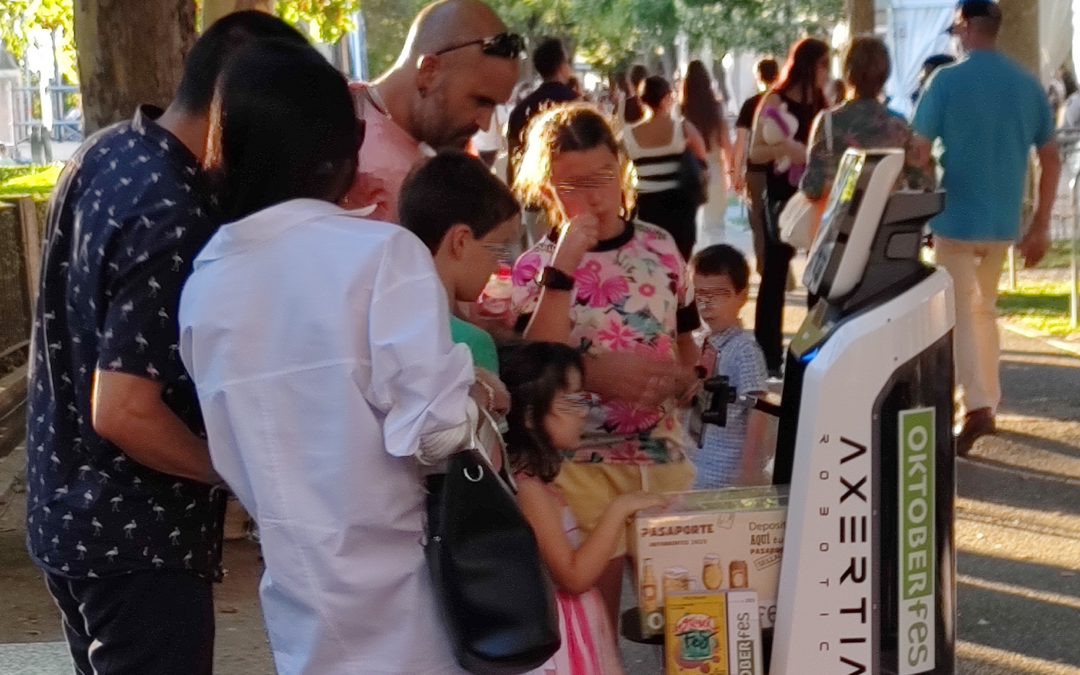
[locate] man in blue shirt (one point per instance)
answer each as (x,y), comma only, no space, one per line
(123,515)
(988,113)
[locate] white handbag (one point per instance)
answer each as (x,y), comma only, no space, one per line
(800,216)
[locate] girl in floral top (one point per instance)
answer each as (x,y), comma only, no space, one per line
(863,122)
(602,283)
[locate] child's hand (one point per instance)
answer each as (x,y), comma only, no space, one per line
(579,236)
(633,502)
(490,393)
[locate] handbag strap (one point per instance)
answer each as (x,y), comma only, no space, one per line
(482,451)
(828,131)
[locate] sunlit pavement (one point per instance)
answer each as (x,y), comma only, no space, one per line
(1017,535)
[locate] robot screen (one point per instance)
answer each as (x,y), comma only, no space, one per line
(847,177)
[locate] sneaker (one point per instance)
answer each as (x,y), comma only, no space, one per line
(977,424)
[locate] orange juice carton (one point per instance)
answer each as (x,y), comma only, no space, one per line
(712,633)
(710,540)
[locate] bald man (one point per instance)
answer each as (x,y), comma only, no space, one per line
(458,63)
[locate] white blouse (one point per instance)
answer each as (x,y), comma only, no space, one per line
(320,346)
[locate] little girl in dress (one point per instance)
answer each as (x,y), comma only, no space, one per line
(546,420)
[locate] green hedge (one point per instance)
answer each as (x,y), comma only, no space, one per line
(28,180)
(19,170)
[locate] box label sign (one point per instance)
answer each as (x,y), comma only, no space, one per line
(918,588)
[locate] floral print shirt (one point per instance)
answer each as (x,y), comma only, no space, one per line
(862,123)
(631,293)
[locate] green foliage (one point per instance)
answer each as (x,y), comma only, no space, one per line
(608,33)
(766,26)
(1039,304)
(387,24)
(28,180)
(18,17)
(328,19)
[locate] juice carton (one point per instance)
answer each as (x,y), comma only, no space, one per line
(712,633)
(710,541)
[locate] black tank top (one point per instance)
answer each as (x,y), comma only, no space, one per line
(778,187)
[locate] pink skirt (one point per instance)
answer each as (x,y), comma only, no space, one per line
(588,642)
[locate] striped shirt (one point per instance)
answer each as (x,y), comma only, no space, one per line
(657,168)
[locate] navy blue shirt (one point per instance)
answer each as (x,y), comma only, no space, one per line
(130,212)
(545,96)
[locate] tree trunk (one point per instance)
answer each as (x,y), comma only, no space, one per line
(860,16)
(1020,32)
(213,10)
(128,56)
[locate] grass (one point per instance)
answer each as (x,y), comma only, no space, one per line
(1042,305)
(40,182)
(1058,257)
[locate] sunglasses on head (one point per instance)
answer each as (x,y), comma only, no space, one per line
(503,45)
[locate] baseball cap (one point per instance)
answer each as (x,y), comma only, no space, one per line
(974,9)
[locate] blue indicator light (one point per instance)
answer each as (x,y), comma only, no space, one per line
(809,356)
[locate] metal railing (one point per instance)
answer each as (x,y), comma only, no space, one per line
(1069,144)
(29,128)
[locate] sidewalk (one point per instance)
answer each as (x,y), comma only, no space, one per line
(1017,536)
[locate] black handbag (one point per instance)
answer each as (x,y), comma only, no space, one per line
(693,177)
(494,591)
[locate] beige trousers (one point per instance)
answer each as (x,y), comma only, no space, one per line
(975,267)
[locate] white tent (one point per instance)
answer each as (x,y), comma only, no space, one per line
(1055,36)
(915,30)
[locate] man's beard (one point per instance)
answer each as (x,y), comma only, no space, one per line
(457,141)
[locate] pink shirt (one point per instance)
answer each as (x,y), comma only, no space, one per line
(386,157)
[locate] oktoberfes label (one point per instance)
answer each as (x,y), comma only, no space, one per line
(918,589)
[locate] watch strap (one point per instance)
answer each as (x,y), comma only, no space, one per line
(555,279)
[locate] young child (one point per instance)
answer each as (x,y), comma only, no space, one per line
(616,290)
(728,455)
(468,219)
(546,420)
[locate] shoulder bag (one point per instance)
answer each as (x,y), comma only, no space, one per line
(493,588)
(801,216)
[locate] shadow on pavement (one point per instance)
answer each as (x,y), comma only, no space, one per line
(1028,384)
(999,483)
(1019,607)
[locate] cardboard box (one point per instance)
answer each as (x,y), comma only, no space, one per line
(709,541)
(713,633)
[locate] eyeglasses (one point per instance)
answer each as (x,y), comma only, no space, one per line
(578,403)
(499,252)
(598,180)
(503,45)
(709,298)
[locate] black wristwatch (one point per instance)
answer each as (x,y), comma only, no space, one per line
(555,279)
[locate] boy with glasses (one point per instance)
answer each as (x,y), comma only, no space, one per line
(728,455)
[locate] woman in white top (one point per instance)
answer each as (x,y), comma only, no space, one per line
(656,147)
(319,343)
(701,108)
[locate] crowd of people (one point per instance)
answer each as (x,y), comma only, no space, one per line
(266,290)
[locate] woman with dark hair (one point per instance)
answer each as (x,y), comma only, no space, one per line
(1070,108)
(701,108)
(656,147)
(792,105)
(319,344)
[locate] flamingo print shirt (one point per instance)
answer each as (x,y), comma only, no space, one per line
(128,216)
(631,293)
